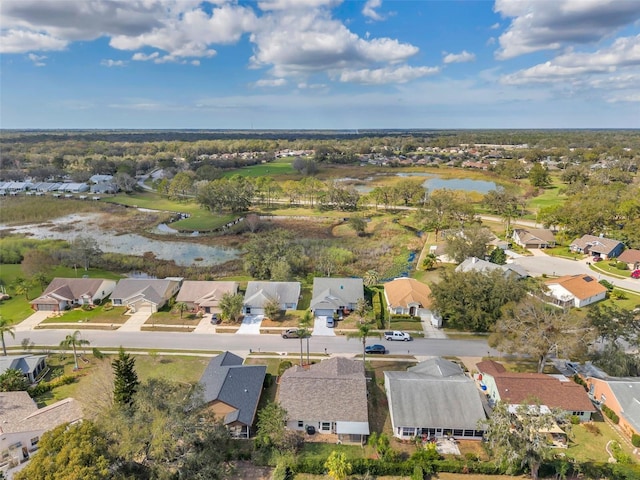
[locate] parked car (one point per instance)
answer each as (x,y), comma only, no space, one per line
(215,319)
(597,259)
(377,348)
(291,333)
(331,322)
(635,274)
(396,335)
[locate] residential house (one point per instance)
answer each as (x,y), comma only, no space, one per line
(259,294)
(63,293)
(631,257)
(552,391)
(534,237)
(32,366)
(204,296)
(407,296)
(330,396)
(145,294)
(433,399)
(474,264)
(73,187)
(622,396)
(597,246)
(232,391)
(575,290)
(335,295)
(22,424)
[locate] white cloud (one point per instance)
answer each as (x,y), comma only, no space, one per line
(369,10)
(271,5)
(495,26)
(380,76)
(490,41)
(550,25)
(461,57)
(270,82)
(112,63)
(142,57)
(630,97)
(38,60)
(624,52)
(21,41)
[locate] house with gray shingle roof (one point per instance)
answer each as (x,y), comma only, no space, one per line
(534,237)
(331,396)
(32,366)
(434,399)
(22,424)
(259,294)
(63,293)
(597,246)
(204,296)
(478,265)
(335,295)
(145,294)
(232,391)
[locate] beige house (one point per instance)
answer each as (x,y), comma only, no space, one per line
(204,296)
(534,237)
(575,290)
(63,293)
(631,257)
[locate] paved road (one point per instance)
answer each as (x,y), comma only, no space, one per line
(263,343)
(542,263)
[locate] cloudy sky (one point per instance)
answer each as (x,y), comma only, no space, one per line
(330,64)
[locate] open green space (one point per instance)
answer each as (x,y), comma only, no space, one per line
(550,197)
(563,251)
(173,317)
(606,267)
(98,314)
(281,166)
(587,442)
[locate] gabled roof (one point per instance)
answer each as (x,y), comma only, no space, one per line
(580,286)
(629,256)
(24,363)
(474,264)
(19,413)
(551,391)
(596,244)
(627,392)
(70,289)
(423,396)
(154,290)
(404,291)
(227,380)
(538,235)
(259,293)
(336,292)
(205,293)
(332,390)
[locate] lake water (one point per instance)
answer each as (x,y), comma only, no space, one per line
(86,225)
(432,182)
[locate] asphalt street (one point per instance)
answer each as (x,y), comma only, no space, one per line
(166,341)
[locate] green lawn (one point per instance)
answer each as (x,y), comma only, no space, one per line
(550,196)
(281,166)
(173,318)
(560,251)
(590,447)
(97,315)
(604,267)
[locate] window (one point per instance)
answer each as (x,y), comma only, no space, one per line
(300,424)
(603,398)
(34,441)
(468,433)
(457,433)
(579,414)
(408,431)
(325,426)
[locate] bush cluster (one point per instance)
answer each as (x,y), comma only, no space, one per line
(406,318)
(606,284)
(635,440)
(44,387)
(610,414)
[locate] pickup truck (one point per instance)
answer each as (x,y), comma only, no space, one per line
(404,336)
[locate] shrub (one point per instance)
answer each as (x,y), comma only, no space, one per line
(592,428)
(606,284)
(97,353)
(610,414)
(575,420)
(618,295)
(635,440)
(417,474)
(285,364)
(621,266)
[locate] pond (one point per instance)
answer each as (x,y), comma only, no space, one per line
(432,182)
(87,225)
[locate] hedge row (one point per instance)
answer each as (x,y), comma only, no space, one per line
(611,414)
(44,387)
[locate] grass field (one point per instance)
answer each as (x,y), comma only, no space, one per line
(98,314)
(279,167)
(550,197)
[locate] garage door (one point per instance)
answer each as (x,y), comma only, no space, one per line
(323,312)
(45,308)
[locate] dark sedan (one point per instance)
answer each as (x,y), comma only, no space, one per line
(375,349)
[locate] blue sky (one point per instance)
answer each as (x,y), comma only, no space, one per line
(319,64)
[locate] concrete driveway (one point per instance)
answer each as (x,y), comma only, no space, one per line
(250,325)
(32,321)
(320,328)
(136,320)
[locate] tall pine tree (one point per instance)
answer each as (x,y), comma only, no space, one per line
(125,383)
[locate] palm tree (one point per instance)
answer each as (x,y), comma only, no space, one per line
(5,327)
(371,277)
(365,330)
(181,307)
(22,287)
(305,331)
(74,341)
(429,261)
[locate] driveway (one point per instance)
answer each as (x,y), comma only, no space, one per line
(320,328)
(136,320)
(250,325)
(32,321)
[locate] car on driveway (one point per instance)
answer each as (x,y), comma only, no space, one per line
(331,322)
(597,259)
(635,274)
(381,349)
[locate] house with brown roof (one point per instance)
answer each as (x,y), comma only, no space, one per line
(330,396)
(63,293)
(534,237)
(145,294)
(597,246)
(22,424)
(575,290)
(408,296)
(631,257)
(204,296)
(552,391)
